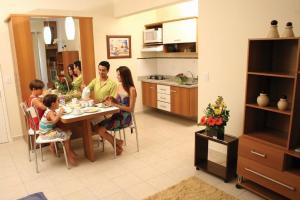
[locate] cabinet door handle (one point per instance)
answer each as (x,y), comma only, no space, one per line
(173,91)
(258,154)
(270,179)
(177,40)
(151,87)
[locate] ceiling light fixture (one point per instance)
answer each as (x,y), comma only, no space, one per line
(47,34)
(70,28)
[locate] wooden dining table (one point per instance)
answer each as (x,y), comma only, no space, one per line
(83,123)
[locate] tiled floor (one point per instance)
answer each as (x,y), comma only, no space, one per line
(166,157)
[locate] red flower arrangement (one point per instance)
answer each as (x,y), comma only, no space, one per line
(216,116)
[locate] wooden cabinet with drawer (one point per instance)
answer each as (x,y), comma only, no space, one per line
(268,163)
(149,94)
(184,101)
(178,100)
(258,152)
(282,182)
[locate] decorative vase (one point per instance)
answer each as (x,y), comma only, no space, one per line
(288,30)
(282,103)
(262,99)
(216,132)
(273,32)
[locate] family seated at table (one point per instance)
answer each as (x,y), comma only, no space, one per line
(105,90)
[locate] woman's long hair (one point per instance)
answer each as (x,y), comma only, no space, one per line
(126,78)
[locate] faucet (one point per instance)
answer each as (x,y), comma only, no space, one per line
(191,75)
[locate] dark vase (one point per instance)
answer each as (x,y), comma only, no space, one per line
(216,132)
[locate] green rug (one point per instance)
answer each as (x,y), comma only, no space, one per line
(191,189)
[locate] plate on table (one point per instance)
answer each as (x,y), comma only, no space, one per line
(102,105)
(67,110)
(90,109)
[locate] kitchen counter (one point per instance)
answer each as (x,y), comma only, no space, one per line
(169,82)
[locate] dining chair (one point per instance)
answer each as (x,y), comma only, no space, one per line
(40,139)
(132,126)
(31,133)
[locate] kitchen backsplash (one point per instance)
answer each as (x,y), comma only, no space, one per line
(167,66)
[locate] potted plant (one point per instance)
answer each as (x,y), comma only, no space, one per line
(215,118)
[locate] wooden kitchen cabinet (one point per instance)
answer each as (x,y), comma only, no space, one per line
(184,101)
(149,94)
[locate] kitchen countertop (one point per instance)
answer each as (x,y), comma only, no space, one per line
(169,82)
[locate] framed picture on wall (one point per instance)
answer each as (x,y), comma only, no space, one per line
(118,46)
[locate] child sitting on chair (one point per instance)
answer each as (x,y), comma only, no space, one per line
(48,122)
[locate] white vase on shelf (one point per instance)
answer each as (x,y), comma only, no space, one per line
(262,100)
(282,104)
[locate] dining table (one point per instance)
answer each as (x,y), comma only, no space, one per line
(82,121)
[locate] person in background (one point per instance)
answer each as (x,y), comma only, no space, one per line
(36,86)
(71,74)
(76,83)
(48,123)
(103,86)
(125,100)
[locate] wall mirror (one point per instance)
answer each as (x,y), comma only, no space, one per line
(52,60)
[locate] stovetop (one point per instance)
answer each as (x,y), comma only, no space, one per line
(157,77)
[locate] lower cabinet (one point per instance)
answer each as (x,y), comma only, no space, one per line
(283,183)
(178,100)
(149,94)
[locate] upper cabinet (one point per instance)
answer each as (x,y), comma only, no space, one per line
(179,36)
(183,31)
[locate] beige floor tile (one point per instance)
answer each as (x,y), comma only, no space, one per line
(161,182)
(166,157)
(83,194)
(141,191)
(147,173)
(12,192)
(103,189)
(119,196)
(68,186)
(52,195)
(127,180)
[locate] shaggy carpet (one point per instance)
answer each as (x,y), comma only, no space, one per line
(191,189)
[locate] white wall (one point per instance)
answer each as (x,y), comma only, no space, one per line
(224,28)
(129,7)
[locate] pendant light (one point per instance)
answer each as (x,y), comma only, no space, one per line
(47,34)
(70,28)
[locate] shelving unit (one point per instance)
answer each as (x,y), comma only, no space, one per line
(267,162)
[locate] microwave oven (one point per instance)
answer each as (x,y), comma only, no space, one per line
(153,35)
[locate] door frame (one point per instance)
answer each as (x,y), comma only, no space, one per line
(4,106)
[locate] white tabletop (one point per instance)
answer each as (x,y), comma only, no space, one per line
(72,116)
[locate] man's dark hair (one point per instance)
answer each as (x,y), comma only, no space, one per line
(77,64)
(105,64)
(49,99)
(36,84)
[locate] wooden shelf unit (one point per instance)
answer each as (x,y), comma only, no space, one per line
(273,68)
